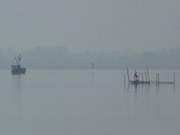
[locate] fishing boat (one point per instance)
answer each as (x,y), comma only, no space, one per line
(16,68)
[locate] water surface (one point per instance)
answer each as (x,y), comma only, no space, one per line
(86,102)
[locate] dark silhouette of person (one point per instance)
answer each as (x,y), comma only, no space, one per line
(136,77)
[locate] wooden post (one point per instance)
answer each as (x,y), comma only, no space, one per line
(146,79)
(142,77)
(124,80)
(128,75)
(174,77)
(158,78)
(148,75)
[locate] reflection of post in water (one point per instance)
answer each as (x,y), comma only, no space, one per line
(137,89)
(92,77)
(133,89)
(17,87)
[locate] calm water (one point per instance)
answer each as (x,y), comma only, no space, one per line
(86,102)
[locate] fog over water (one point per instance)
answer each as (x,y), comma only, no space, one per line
(135,25)
(88,44)
(66,58)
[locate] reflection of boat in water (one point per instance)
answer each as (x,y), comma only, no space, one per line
(16,68)
(17,87)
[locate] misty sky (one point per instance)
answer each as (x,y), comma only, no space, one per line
(117,24)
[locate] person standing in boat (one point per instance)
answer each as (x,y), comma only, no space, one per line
(136,77)
(19,59)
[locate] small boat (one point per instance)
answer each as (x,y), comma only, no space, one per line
(16,68)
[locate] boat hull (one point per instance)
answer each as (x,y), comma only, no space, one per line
(17,70)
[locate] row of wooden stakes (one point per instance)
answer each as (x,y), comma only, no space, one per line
(144,78)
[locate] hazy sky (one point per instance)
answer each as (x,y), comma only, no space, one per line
(119,24)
